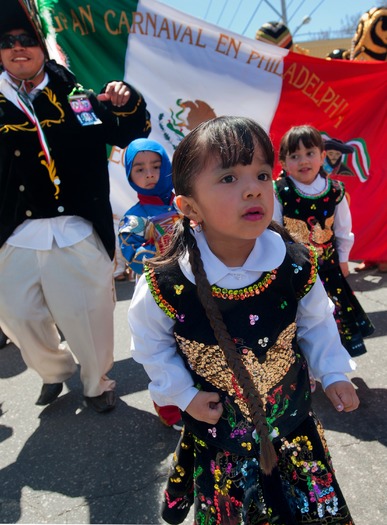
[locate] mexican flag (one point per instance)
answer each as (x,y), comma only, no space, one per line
(190,71)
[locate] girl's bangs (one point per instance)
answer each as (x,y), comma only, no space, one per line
(236,144)
(310,138)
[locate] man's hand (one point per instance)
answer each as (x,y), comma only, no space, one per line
(206,407)
(117,92)
(342,395)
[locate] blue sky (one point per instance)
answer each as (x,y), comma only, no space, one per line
(246,16)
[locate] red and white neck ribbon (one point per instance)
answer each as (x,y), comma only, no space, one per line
(29,111)
(12,93)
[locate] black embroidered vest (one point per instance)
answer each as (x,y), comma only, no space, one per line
(261,320)
(309,218)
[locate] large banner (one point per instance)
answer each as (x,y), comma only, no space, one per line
(189,71)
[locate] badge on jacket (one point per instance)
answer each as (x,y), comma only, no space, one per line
(83,110)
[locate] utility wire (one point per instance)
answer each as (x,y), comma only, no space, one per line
(251,17)
(274,9)
(234,15)
(311,13)
(296,10)
(315,9)
(208,8)
(222,11)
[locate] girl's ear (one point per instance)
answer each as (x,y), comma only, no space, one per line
(188,207)
(323,155)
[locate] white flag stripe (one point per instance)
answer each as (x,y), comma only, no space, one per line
(181,57)
(173,57)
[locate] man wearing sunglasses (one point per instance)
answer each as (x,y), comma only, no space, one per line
(25,40)
(56,226)
(22,57)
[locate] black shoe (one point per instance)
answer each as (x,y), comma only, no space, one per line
(49,392)
(103,403)
(3,339)
(355,346)
(366,327)
(178,425)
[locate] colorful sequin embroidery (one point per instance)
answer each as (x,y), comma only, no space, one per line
(249,291)
(224,293)
(156,293)
(253,319)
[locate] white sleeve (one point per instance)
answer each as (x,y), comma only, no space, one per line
(342,228)
(154,346)
(319,337)
(278,211)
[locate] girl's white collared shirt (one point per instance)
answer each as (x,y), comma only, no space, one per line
(154,345)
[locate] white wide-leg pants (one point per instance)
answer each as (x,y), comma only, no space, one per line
(70,288)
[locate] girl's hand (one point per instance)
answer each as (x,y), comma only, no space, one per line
(206,406)
(117,92)
(342,395)
(344,267)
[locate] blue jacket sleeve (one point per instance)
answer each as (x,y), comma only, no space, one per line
(133,244)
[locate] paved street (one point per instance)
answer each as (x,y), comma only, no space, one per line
(67,464)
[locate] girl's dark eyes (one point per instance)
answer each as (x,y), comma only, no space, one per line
(295,156)
(231,178)
(228,178)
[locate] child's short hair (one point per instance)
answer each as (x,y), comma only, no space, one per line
(308,135)
(231,139)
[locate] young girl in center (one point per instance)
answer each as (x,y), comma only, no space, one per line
(314,210)
(226,324)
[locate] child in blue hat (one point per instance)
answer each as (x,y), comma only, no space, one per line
(143,228)
(146,227)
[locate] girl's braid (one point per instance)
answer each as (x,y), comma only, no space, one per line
(251,395)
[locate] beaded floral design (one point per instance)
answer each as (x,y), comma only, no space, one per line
(243,293)
(178,288)
(224,293)
(151,279)
(313,271)
(314,474)
(263,342)
(229,474)
(253,319)
(209,362)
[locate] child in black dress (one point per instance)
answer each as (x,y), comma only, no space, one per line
(226,324)
(314,210)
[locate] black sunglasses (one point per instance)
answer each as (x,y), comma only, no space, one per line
(25,40)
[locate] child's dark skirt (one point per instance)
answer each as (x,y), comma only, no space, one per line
(230,489)
(352,321)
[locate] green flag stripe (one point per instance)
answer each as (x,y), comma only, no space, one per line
(94,37)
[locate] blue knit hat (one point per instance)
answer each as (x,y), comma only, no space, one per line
(164,186)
